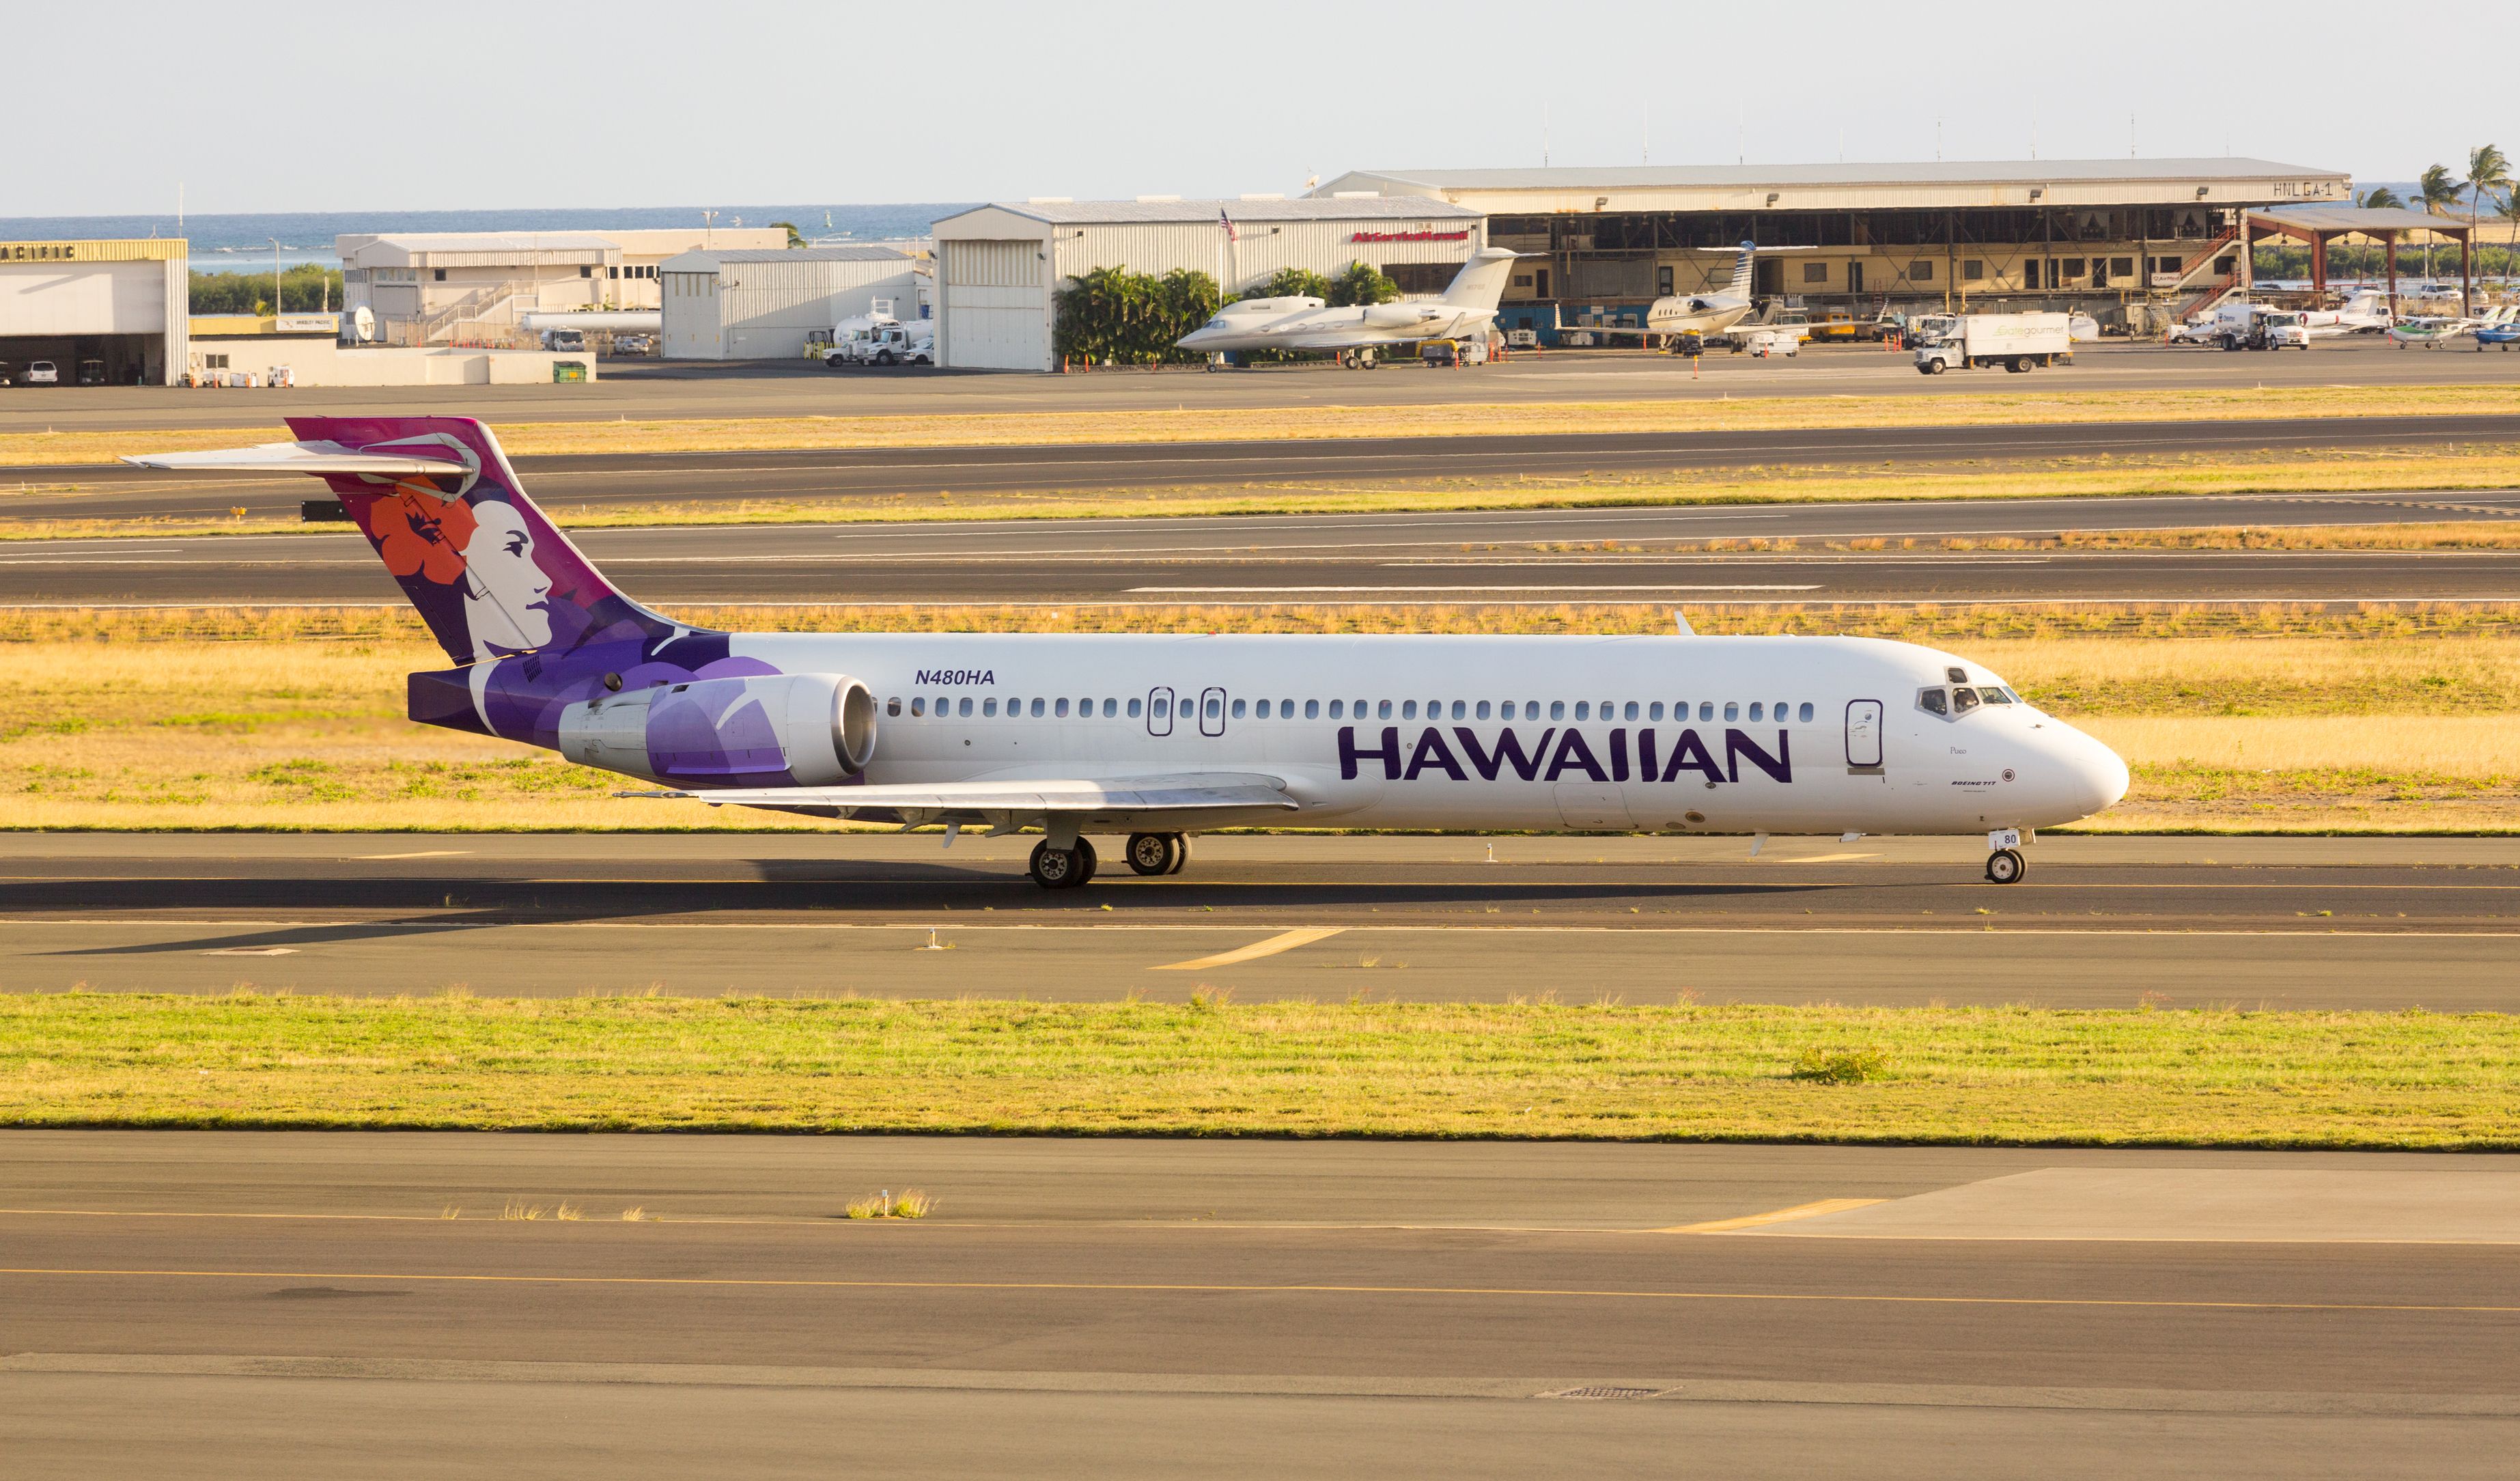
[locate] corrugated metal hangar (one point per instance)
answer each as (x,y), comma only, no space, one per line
(758,305)
(1000,266)
(110,311)
(2095,234)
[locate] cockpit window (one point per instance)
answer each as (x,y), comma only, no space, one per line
(1963,700)
(1993,695)
(1933,701)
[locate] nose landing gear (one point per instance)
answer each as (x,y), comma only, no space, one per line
(2004,864)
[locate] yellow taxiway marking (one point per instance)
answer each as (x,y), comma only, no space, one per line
(423,853)
(1774,1216)
(1285,940)
(1239,1289)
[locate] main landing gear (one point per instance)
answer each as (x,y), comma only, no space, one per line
(1054,869)
(2004,864)
(1158,853)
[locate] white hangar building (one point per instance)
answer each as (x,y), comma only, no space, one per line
(999,267)
(761,306)
(116,310)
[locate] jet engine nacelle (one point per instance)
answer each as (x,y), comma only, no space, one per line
(1391,316)
(812,728)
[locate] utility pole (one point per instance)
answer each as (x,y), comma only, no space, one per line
(274,277)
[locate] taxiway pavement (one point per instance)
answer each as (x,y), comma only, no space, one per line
(1530,556)
(285,1304)
(2100,921)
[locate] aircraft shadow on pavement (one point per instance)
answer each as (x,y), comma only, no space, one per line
(802,890)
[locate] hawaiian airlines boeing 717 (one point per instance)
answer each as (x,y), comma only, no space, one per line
(1160,737)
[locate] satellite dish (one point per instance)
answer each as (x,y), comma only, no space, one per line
(363,324)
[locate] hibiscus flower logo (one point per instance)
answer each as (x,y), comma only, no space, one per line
(420,531)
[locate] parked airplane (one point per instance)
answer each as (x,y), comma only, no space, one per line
(2429,332)
(1160,737)
(2366,311)
(1466,308)
(1703,315)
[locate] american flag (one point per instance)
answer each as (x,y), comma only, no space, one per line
(1226,222)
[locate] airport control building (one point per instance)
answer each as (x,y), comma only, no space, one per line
(2104,236)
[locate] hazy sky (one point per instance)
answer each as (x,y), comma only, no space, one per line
(456,104)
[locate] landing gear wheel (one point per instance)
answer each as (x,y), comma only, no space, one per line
(2005,866)
(1062,868)
(1154,852)
(1181,852)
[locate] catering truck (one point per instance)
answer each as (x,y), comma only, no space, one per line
(2016,342)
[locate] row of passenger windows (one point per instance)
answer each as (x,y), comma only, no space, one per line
(1162,707)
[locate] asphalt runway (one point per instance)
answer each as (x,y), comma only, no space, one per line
(280,1305)
(676,390)
(684,480)
(2294,923)
(1503,556)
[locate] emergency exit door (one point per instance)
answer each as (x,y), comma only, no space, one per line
(1863,735)
(1212,712)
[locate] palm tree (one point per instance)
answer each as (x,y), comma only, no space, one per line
(2381,197)
(2509,209)
(2439,191)
(2489,169)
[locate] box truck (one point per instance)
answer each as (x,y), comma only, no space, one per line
(2016,342)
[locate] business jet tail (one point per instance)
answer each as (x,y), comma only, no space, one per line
(1480,284)
(1739,287)
(489,572)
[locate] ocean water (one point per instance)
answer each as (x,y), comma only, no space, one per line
(243,243)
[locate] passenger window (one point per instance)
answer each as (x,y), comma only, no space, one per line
(1407,709)
(1755,708)
(1933,701)
(1483,710)
(1630,712)
(1238,709)
(892,705)
(1963,700)
(1133,708)
(1805,715)
(1654,711)
(1286,709)
(1506,710)
(1264,709)
(1059,710)
(989,705)
(1706,708)
(1337,705)
(918,705)
(1780,712)
(1163,708)
(1036,709)
(1216,707)
(1382,709)
(1557,708)
(963,709)
(1583,708)
(1313,708)
(1111,708)
(1461,712)
(1732,710)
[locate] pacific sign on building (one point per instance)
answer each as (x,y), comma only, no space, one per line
(1462,235)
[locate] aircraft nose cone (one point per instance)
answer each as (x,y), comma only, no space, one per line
(2095,777)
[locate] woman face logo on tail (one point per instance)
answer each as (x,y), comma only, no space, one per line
(506,594)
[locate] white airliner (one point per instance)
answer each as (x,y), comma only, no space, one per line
(1160,737)
(1466,310)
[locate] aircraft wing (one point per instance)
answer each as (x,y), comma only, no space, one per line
(1181,795)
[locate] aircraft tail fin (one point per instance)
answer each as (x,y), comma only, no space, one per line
(1480,284)
(489,572)
(1739,287)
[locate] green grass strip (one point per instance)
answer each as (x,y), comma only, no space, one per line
(1978,1076)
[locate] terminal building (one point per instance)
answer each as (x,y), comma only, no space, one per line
(469,289)
(999,267)
(108,312)
(2126,240)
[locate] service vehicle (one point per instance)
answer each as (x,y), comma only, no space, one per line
(566,341)
(91,372)
(634,344)
(1157,737)
(43,373)
(2018,342)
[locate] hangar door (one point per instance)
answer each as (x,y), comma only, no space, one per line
(995,307)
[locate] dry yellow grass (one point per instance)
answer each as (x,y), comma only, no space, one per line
(2390,719)
(1271,423)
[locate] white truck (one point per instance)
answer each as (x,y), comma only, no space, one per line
(881,339)
(2018,342)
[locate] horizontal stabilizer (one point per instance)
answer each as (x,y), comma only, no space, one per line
(317,458)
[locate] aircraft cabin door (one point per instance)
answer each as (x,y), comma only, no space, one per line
(1863,735)
(1212,712)
(1159,711)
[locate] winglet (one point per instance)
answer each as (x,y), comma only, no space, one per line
(1680,621)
